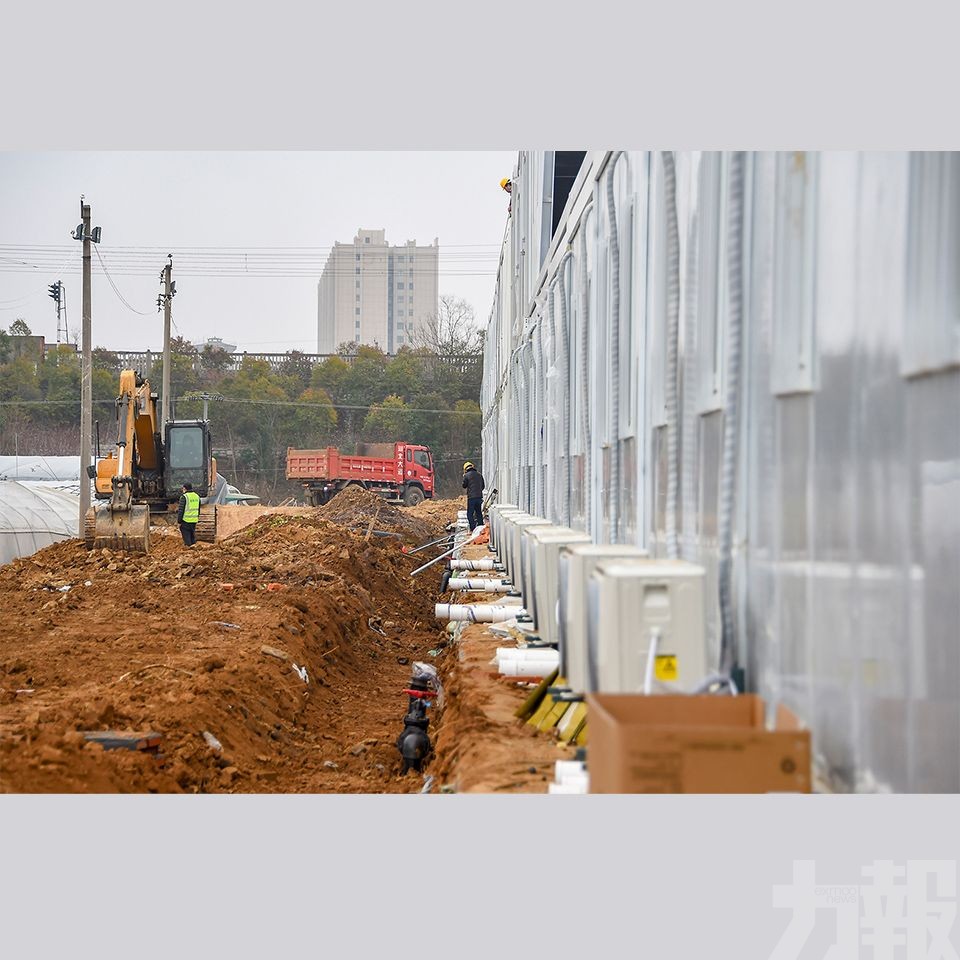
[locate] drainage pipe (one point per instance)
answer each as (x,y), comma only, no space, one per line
(478,583)
(478,612)
(527,668)
(487,563)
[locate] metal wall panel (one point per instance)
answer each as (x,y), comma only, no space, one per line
(847,536)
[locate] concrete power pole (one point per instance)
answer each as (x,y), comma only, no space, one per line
(86,392)
(167,297)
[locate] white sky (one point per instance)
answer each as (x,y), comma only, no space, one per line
(237,200)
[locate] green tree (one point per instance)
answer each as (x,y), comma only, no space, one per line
(297,364)
(388,421)
(314,423)
(331,375)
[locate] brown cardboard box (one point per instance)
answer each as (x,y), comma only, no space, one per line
(693,744)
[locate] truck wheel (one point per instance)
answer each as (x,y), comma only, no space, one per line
(412,496)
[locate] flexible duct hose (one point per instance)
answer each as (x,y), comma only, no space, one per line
(731,421)
(584,387)
(564,366)
(554,508)
(673,334)
(613,491)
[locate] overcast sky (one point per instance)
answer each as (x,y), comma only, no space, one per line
(229,205)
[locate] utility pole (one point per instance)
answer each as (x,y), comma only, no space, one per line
(168,291)
(86,393)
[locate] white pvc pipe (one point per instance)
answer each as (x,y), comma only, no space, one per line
(526,668)
(488,563)
(563,767)
(572,778)
(477,583)
(477,613)
(567,788)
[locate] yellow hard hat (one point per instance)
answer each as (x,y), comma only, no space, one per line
(468,465)
(504,182)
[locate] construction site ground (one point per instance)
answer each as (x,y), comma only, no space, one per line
(271,661)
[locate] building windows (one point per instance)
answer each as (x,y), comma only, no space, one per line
(356,311)
(366,239)
(357,338)
(358,256)
(358,298)
(357,284)
(357,269)
(356,325)
(410,286)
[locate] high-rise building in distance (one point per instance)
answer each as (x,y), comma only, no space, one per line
(376,293)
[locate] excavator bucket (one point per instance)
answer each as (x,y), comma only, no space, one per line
(124,530)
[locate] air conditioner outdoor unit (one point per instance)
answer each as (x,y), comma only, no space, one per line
(494,514)
(504,525)
(515,528)
(544,575)
(575,564)
(528,535)
(646,627)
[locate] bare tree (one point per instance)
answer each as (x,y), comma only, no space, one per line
(453,332)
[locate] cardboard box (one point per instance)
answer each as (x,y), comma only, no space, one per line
(693,744)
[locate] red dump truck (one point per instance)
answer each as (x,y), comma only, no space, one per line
(399,472)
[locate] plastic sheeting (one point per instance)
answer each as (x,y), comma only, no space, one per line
(33,517)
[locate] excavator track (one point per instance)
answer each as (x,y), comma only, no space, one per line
(90,528)
(207,524)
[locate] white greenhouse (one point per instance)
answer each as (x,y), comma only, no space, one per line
(33,517)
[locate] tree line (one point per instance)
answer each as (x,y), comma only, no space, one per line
(420,395)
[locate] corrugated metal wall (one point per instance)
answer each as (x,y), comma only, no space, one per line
(846,531)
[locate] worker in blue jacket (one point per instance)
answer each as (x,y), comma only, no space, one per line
(473,484)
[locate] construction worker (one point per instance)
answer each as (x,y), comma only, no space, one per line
(473,484)
(507,185)
(189,514)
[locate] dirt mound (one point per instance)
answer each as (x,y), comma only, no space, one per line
(440,512)
(215,640)
(360,509)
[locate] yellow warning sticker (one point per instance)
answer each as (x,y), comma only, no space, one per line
(665,667)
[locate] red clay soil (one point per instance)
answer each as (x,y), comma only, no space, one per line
(187,641)
(481,747)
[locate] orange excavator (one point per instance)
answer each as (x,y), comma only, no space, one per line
(146,473)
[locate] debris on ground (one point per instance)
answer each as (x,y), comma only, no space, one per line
(159,643)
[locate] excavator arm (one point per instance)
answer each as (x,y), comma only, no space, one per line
(122,524)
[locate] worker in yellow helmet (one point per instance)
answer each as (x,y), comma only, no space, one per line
(507,185)
(473,484)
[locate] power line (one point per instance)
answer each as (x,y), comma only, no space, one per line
(273,403)
(120,296)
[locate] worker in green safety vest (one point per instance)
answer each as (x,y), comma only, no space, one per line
(188,514)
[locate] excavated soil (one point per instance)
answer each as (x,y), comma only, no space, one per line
(213,640)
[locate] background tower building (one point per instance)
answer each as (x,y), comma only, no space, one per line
(376,293)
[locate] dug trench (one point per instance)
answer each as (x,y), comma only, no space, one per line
(273,661)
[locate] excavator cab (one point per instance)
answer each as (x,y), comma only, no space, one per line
(187,456)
